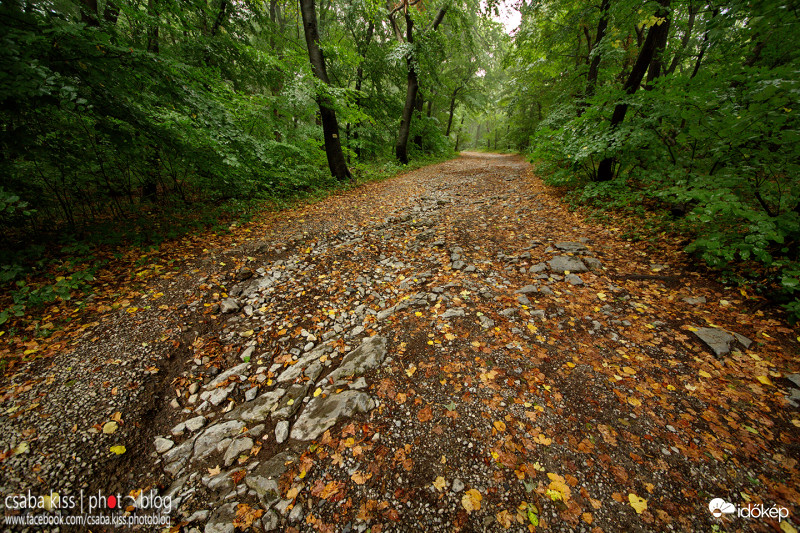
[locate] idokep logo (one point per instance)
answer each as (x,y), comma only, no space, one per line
(718,507)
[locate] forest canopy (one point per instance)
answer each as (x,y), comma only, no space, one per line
(679,109)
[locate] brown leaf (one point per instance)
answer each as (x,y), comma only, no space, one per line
(425,414)
(245,516)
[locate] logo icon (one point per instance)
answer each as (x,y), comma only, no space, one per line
(718,507)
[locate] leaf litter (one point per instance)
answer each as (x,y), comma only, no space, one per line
(544,412)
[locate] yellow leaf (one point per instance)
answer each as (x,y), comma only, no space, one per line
(471,501)
(22,447)
(440,483)
(570,364)
(290,402)
(411,370)
(670,387)
(110,427)
(638,503)
(317,392)
(132,309)
(796,422)
(292,493)
(430,342)
(704,374)
(214,471)
(765,380)
(119,449)
(786,527)
(418,313)
(499,425)
(634,401)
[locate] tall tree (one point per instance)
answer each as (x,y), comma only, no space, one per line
(648,59)
(330,127)
(412,79)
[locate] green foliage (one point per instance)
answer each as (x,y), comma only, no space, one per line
(715,138)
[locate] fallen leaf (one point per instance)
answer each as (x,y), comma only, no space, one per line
(359,478)
(439,484)
(245,516)
(214,471)
(471,501)
(638,503)
(499,425)
(110,427)
(119,449)
(425,414)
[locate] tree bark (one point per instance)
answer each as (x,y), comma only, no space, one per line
(360,81)
(594,66)
(685,40)
(412,87)
(452,110)
(330,127)
(656,34)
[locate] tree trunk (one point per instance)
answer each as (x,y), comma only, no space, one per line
(458,134)
(654,36)
(360,81)
(152,29)
(412,87)
(594,66)
(685,40)
(412,81)
(419,104)
(330,128)
(452,110)
(656,64)
(89,13)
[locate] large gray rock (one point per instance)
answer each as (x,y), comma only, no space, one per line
(720,341)
(163,445)
(218,395)
(322,413)
(237,448)
(369,355)
(298,368)
(571,247)
(565,263)
(207,441)
(228,305)
(259,409)
(264,479)
(222,519)
(291,401)
(453,313)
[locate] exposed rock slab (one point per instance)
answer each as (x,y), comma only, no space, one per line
(322,413)
(259,409)
(369,355)
(566,263)
(720,341)
(207,442)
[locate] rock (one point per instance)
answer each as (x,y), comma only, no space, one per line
(264,479)
(193,424)
(282,431)
(593,264)
(228,305)
(322,413)
(247,354)
(179,429)
(571,247)
(296,513)
(574,279)
(257,410)
(296,370)
(458,485)
(236,448)
(486,322)
(691,300)
(522,299)
(794,378)
(291,401)
(458,265)
(163,445)
(452,313)
(269,521)
(539,267)
(207,441)
(528,289)
(238,370)
(546,291)
(565,263)
(243,274)
(219,395)
(720,341)
(250,394)
(222,519)
(366,357)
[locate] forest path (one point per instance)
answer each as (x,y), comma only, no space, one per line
(450,349)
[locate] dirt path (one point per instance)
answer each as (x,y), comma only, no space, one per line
(448,350)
